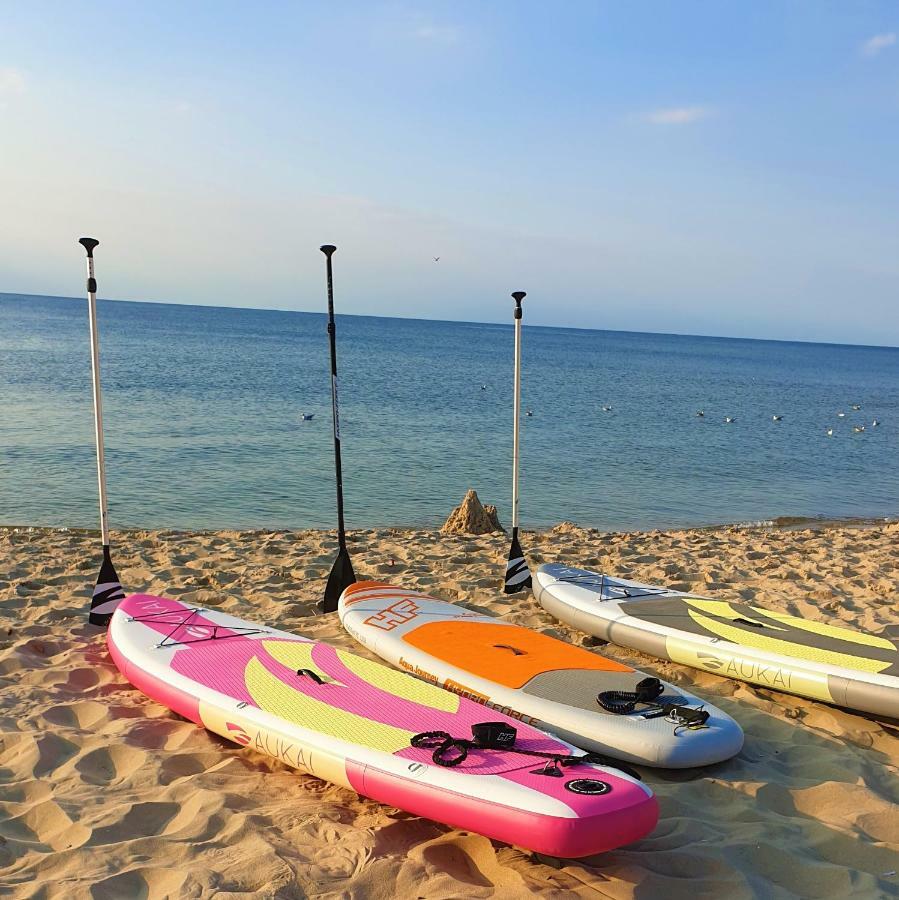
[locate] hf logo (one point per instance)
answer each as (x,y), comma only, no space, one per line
(397,614)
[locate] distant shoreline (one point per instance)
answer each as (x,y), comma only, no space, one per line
(780,523)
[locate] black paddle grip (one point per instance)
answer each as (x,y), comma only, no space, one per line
(518,296)
(89,244)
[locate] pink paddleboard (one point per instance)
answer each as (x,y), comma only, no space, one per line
(350,721)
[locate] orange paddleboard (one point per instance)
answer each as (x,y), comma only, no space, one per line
(535,678)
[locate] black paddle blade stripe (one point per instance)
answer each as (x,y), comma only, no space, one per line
(518,576)
(106,597)
(108,593)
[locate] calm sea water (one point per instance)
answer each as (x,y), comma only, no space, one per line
(203,422)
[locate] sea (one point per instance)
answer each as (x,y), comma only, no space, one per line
(204,425)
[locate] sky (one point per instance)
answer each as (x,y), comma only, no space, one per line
(700,168)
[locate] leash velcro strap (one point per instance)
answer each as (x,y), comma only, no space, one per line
(495,735)
(624,702)
(450,751)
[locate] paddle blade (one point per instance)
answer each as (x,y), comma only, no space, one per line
(108,593)
(518,575)
(341,577)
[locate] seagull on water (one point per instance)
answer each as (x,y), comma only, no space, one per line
(777,418)
(529,413)
(607,408)
(841,415)
(858,429)
(700,414)
(875,423)
(729,419)
(830,432)
(307,417)
(856,406)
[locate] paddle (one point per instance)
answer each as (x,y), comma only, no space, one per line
(108,591)
(518,576)
(342,575)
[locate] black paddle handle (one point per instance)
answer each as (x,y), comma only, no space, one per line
(518,296)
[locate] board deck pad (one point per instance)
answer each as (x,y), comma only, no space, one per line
(528,674)
(509,654)
(808,657)
(339,716)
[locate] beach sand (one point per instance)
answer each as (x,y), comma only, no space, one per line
(104,793)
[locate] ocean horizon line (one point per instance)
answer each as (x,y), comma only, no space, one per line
(507,325)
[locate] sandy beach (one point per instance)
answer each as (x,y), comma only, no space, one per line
(106,794)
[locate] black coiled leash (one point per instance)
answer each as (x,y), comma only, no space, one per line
(450,751)
(624,702)
(684,718)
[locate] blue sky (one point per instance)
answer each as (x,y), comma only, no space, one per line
(702,168)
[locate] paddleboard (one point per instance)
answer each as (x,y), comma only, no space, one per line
(535,678)
(351,721)
(808,657)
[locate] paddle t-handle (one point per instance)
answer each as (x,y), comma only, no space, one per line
(89,244)
(328,249)
(518,296)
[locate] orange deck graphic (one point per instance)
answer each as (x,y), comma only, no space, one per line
(506,654)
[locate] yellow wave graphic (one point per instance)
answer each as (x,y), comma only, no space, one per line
(831,631)
(280,699)
(399,684)
(295,655)
(786,648)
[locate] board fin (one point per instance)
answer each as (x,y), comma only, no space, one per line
(108,592)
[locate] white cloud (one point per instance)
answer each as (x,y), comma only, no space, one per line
(678,115)
(12,82)
(874,45)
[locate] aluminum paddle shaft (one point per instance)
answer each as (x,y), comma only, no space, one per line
(518,576)
(89,244)
(108,591)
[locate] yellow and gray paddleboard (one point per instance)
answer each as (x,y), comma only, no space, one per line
(807,657)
